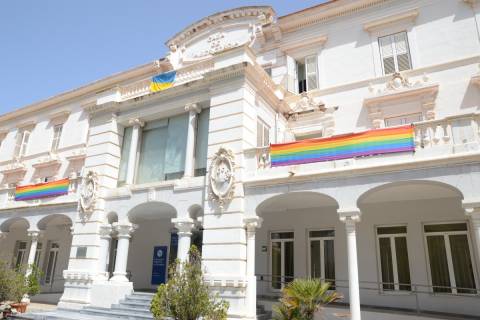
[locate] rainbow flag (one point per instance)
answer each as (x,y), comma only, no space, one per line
(42,190)
(372,142)
(163,81)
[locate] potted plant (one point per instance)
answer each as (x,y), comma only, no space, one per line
(302,298)
(23,287)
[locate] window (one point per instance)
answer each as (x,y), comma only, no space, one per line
(263,134)
(19,253)
(402,120)
(21,144)
(112,256)
(51,263)
(395,53)
(38,254)
(162,153)
(322,255)
(307,74)
(281,257)
(57,133)
(11,192)
(127,140)
(201,143)
(450,260)
(393,258)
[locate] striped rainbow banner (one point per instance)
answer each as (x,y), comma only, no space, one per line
(372,142)
(42,190)
(163,81)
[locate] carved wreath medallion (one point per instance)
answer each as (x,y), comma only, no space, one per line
(88,192)
(222,177)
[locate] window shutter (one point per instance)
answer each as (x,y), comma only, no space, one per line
(291,74)
(401,48)
(311,72)
(386,50)
(18,143)
(26,137)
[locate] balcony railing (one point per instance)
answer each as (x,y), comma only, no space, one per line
(434,138)
(184,75)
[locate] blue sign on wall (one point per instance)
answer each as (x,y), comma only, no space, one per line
(159,264)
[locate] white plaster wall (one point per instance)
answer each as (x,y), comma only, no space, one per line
(149,234)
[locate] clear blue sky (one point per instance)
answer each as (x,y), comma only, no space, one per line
(51,46)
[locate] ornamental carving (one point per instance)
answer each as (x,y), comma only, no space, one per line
(88,194)
(222,177)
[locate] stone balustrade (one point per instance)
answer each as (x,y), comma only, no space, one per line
(455,135)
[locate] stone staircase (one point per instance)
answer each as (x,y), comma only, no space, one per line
(133,307)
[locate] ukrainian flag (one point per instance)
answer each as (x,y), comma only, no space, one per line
(163,81)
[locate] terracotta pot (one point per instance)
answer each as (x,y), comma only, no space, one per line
(20,306)
(6,314)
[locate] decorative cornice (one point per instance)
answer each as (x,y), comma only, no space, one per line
(217,18)
(317,41)
(425,92)
(383,22)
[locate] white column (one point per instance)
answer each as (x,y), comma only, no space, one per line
(350,218)
(473,211)
(124,231)
(132,155)
(184,226)
(34,235)
(105,237)
(193,109)
(251,224)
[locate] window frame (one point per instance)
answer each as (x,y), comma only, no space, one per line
(303,61)
(56,138)
(264,126)
(322,250)
(403,116)
(394,51)
(21,147)
(282,257)
(393,252)
(451,271)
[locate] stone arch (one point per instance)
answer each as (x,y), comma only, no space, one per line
(150,211)
(56,219)
(14,221)
(295,200)
(409,190)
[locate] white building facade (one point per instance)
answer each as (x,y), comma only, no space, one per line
(191,164)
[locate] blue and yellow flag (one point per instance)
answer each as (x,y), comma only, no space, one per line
(163,81)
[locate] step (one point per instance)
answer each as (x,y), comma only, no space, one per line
(148,294)
(134,303)
(128,308)
(113,313)
(139,298)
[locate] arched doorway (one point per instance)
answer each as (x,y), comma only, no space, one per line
(154,233)
(15,242)
(299,236)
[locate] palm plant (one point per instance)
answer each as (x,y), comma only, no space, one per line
(302,298)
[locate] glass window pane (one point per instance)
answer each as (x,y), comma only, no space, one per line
(322,233)
(282,235)
(438,264)
(386,264)
(446,227)
(315,259)
(201,143)
(462,263)
(403,267)
(329,258)
(176,145)
(392,230)
(127,140)
(259,134)
(288,261)
(152,155)
(276,265)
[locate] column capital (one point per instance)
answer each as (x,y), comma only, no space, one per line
(136,122)
(124,229)
(251,223)
(349,215)
(34,234)
(193,107)
(184,225)
(105,231)
(472,208)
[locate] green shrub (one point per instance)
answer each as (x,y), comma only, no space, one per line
(302,298)
(185,296)
(14,284)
